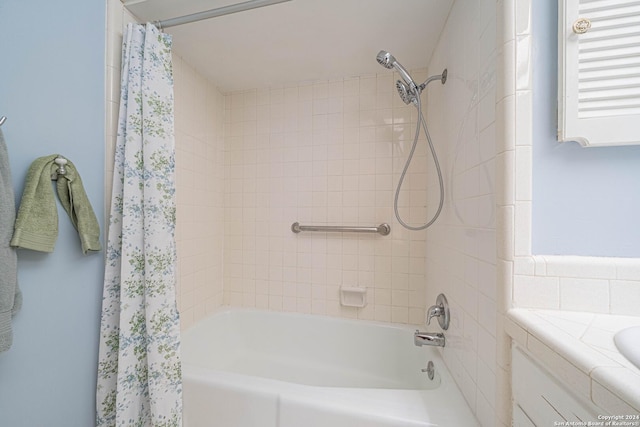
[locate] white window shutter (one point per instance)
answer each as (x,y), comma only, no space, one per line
(599,73)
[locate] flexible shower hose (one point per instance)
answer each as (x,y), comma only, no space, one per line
(421,122)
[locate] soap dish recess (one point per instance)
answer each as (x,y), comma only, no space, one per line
(353,297)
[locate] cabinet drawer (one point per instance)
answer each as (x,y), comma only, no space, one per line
(541,397)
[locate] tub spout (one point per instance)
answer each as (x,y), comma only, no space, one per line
(428,338)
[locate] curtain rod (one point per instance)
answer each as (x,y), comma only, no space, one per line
(225,10)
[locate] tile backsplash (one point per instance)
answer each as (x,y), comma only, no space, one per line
(577,283)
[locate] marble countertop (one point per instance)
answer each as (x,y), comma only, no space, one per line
(578,348)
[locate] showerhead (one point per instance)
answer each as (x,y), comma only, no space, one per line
(408,90)
(388,61)
(385,59)
(404,92)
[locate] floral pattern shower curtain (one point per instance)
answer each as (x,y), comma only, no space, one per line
(139,371)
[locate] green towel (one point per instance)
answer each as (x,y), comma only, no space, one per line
(75,201)
(36,226)
(37,222)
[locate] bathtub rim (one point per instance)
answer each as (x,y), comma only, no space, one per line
(232,309)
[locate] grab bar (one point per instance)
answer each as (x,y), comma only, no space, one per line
(382,229)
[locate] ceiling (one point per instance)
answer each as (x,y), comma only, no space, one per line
(299,40)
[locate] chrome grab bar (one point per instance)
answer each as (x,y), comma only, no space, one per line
(382,229)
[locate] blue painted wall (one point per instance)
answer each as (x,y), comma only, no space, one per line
(586,201)
(52,91)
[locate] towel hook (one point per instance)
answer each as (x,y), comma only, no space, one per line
(61,162)
(2,120)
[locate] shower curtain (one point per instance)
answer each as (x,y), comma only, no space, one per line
(139,371)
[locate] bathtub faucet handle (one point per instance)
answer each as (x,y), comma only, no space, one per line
(434,311)
(441,311)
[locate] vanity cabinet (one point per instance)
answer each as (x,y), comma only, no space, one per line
(599,72)
(540,400)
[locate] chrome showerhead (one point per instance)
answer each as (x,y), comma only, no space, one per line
(404,92)
(385,59)
(408,90)
(388,61)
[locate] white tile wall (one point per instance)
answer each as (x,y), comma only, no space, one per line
(591,284)
(199,111)
(117,18)
(461,246)
(199,115)
(324,153)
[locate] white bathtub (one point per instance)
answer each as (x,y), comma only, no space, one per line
(245,368)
